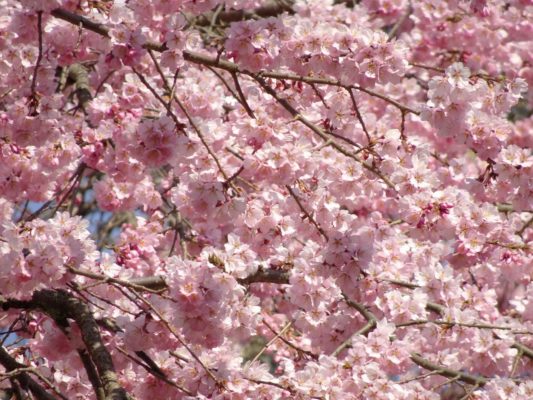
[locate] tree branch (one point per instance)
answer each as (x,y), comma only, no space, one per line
(447,372)
(39,56)
(10,364)
(299,117)
(78,74)
(395,29)
(359,116)
(266,276)
(188,116)
(61,301)
(306,213)
(60,305)
(218,63)
(78,20)
(368,327)
(153,284)
(92,374)
(242,97)
(270,9)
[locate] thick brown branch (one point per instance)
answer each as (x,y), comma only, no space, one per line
(266,276)
(61,302)
(270,9)
(92,374)
(78,74)
(10,364)
(151,282)
(60,305)
(447,372)
(78,20)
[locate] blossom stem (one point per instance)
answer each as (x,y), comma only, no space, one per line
(447,372)
(40,55)
(306,213)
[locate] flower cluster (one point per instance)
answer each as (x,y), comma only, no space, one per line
(460,104)
(157,141)
(251,199)
(204,296)
(354,56)
(38,254)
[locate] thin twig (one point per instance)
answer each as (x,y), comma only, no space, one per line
(306,213)
(241,95)
(108,279)
(298,349)
(347,140)
(446,382)
(359,116)
(299,117)
(154,371)
(528,223)
(232,67)
(402,126)
(46,205)
(234,176)
(526,351)
(462,324)
(175,333)
(369,326)
(189,118)
(319,95)
(270,383)
(102,82)
(179,125)
(419,377)
(40,55)
(78,176)
(428,67)
(226,84)
(174,241)
(217,62)
(283,330)
(396,28)
(202,138)
(516,361)
(510,246)
(235,153)
(469,392)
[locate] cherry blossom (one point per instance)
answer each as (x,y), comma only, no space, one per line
(236,199)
